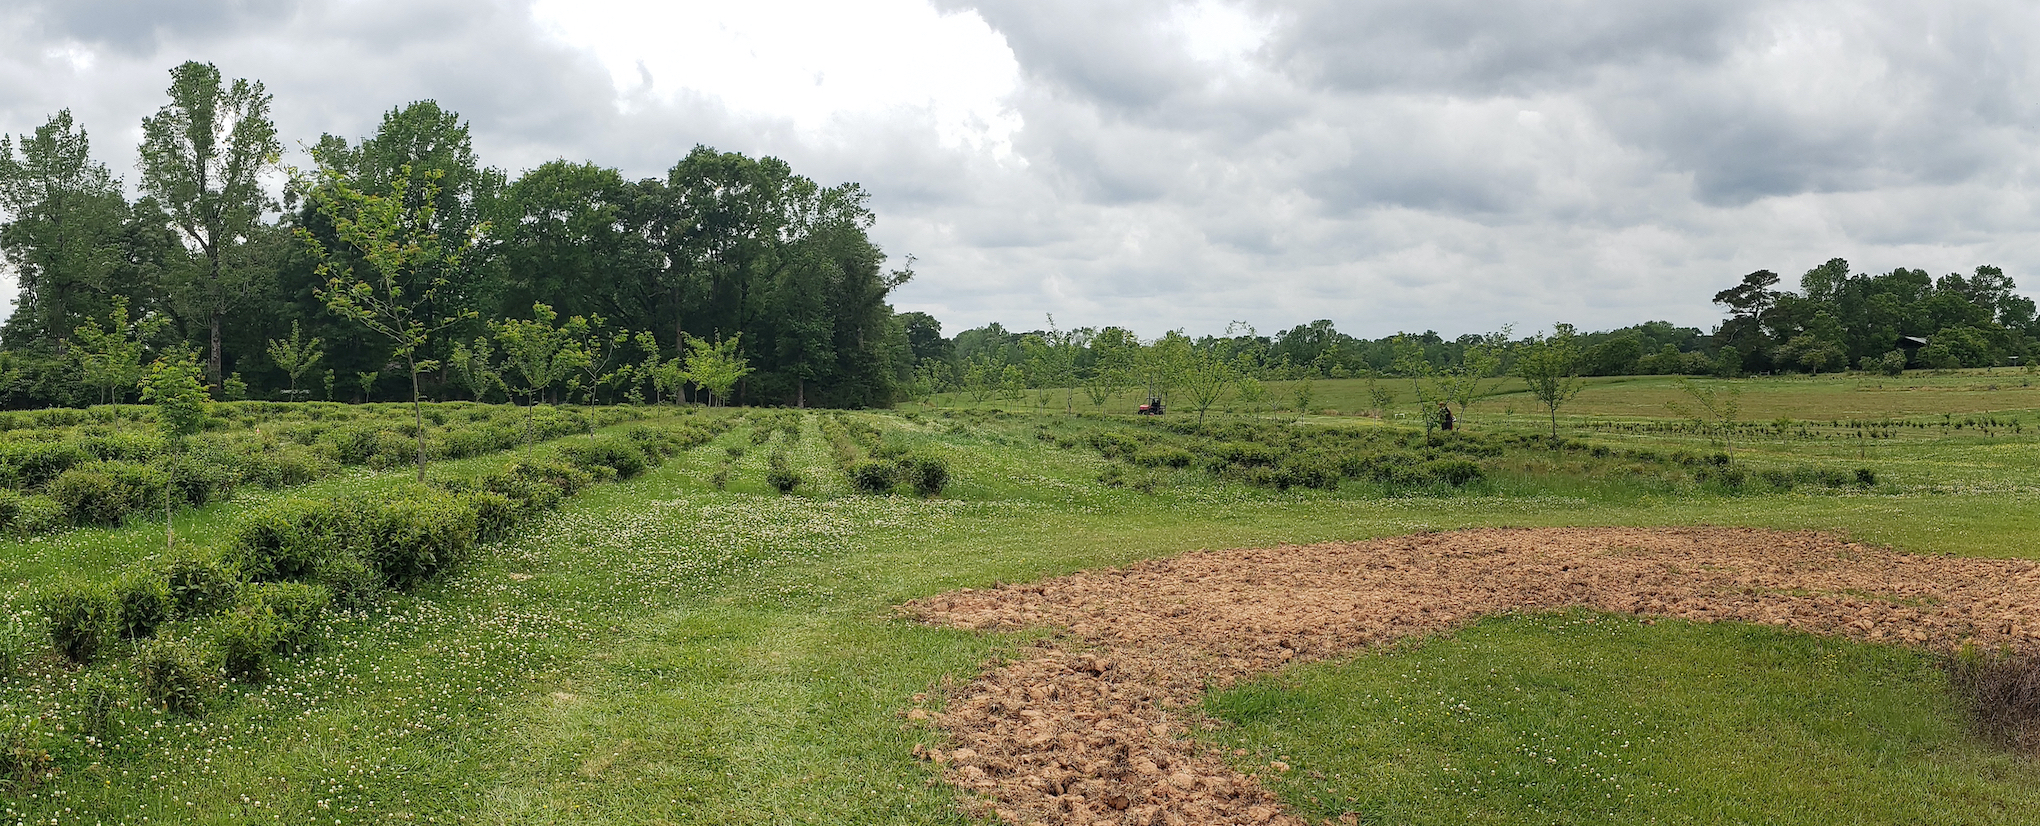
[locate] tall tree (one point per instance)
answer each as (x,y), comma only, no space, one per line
(202,157)
(1551,366)
(388,244)
(64,230)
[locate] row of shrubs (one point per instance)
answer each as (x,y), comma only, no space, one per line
(382,438)
(876,465)
(197,617)
(1286,456)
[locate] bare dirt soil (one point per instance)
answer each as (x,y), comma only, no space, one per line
(1081,729)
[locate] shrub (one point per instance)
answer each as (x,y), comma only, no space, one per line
(176,674)
(1163,456)
(198,586)
(871,476)
(288,539)
(1866,477)
(565,478)
(495,514)
(2004,693)
(197,478)
(141,601)
(282,467)
(32,464)
(79,616)
(927,474)
(1455,472)
(779,476)
(122,447)
(350,583)
(413,536)
(25,758)
(623,457)
(104,493)
(1310,473)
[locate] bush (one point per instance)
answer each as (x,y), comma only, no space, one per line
(350,583)
(1163,456)
(619,455)
(79,617)
(176,674)
(495,514)
(289,539)
(25,758)
(198,586)
(779,476)
(122,447)
(411,537)
(104,493)
(141,603)
(197,479)
(1455,472)
(928,475)
(871,476)
(32,464)
(2004,694)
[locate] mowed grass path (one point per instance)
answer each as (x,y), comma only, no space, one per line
(665,652)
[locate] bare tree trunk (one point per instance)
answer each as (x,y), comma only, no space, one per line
(213,362)
(418,416)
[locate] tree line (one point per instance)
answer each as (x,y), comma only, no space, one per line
(400,259)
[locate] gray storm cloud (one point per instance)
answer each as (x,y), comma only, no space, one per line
(1389,165)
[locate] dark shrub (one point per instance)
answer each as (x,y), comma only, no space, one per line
(198,586)
(619,455)
(1310,473)
(1455,472)
(122,447)
(2004,694)
(871,476)
(288,540)
(410,537)
(779,476)
(1247,453)
(198,478)
(566,478)
(32,464)
(352,584)
(104,493)
(495,514)
(176,674)
(1163,456)
(1866,477)
(927,474)
(283,467)
(80,616)
(141,602)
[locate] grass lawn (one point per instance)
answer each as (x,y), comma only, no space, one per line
(665,651)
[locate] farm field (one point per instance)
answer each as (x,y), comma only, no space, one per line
(687,645)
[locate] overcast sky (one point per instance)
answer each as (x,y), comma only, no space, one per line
(1418,164)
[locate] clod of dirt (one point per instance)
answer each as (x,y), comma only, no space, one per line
(1079,733)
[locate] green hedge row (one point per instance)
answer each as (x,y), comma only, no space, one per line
(282,567)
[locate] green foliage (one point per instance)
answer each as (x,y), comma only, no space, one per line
(142,602)
(290,539)
(413,536)
(620,456)
(716,366)
(296,356)
(1551,368)
(779,475)
(198,586)
(268,619)
(104,493)
(872,476)
(927,475)
(80,616)
(177,674)
(179,396)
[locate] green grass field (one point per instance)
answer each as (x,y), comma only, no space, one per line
(664,650)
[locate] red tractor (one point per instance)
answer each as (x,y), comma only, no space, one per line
(1152,408)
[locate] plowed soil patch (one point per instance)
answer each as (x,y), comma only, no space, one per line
(1080,731)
